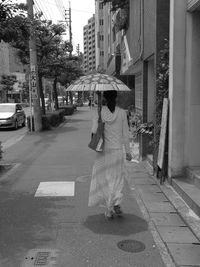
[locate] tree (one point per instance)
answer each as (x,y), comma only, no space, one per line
(7,82)
(53,54)
(117,4)
(13,23)
(62,67)
(71,73)
(122,20)
(47,35)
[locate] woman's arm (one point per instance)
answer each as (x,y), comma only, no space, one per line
(94,121)
(125,132)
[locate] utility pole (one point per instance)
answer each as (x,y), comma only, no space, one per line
(70,27)
(34,88)
(68,19)
(78,49)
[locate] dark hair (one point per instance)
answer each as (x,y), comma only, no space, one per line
(110,97)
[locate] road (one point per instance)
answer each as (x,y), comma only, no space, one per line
(9,137)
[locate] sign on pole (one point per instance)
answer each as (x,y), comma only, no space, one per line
(34,93)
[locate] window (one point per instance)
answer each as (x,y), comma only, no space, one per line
(101,53)
(101,22)
(100,5)
(101,37)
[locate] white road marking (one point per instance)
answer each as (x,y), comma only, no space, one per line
(55,189)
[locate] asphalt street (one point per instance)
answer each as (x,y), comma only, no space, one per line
(44,217)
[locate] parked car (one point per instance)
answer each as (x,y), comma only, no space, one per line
(12,115)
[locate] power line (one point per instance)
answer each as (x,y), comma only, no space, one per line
(82,11)
(45,7)
(42,7)
(60,8)
(38,9)
(76,10)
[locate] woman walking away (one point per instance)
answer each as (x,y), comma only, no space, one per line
(109,167)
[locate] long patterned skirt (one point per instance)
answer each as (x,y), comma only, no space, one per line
(107,179)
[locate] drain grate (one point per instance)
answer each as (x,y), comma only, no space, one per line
(41,257)
(132,246)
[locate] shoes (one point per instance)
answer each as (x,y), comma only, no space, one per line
(109,215)
(117,210)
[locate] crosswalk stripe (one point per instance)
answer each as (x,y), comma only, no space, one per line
(55,189)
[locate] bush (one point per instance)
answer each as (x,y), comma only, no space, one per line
(68,110)
(51,119)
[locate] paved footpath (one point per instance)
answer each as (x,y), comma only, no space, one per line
(45,220)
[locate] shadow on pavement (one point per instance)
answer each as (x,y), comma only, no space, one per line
(126,225)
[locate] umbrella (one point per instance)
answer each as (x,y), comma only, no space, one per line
(97,82)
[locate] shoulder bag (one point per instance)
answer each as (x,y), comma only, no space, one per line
(97,139)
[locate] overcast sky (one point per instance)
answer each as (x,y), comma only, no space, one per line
(81,11)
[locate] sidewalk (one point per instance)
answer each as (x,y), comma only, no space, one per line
(44,199)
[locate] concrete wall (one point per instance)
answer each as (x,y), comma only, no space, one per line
(192,153)
(149,14)
(177,87)
(133,34)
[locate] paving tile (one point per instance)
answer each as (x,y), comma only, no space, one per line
(144,181)
(149,188)
(185,254)
(156,197)
(139,175)
(174,234)
(167,219)
(153,206)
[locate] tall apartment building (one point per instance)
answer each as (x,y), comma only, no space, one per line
(89,60)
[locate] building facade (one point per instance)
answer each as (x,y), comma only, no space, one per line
(10,65)
(142,43)
(184,93)
(136,35)
(101,23)
(89,60)
(108,48)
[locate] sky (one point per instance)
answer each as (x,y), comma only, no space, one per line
(81,11)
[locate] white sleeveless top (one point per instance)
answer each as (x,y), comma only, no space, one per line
(116,132)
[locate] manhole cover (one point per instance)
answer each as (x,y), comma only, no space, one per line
(133,246)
